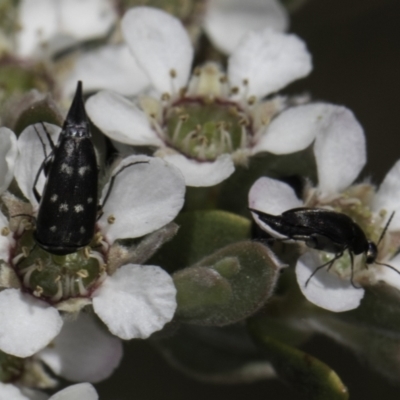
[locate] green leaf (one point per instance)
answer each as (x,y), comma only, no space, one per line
(40,111)
(227,286)
(300,370)
(219,355)
(372,330)
(200,234)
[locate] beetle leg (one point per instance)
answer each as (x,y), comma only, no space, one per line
(352,272)
(329,263)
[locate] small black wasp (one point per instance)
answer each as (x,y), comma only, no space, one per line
(325,230)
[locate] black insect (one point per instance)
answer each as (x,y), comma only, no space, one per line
(68,206)
(325,230)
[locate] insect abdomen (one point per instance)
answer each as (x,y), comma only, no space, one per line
(68,208)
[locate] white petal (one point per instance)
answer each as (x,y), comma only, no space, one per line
(294,129)
(339,149)
(8,156)
(226,21)
(198,173)
(31,156)
(83,351)
(38,23)
(34,394)
(109,67)
(388,196)
(128,124)
(26,324)
(85,19)
(326,289)
(10,392)
(81,391)
(268,61)
(6,242)
(136,301)
(144,198)
(272,197)
(161,46)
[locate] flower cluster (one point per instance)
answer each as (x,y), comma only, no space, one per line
(195,197)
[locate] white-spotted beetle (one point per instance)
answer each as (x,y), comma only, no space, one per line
(68,206)
(324,230)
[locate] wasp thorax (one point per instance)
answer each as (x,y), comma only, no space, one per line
(53,277)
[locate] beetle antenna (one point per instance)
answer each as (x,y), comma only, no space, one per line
(389,266)
(386,227)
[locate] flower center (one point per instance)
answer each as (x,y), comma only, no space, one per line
(204,129)
(54,278)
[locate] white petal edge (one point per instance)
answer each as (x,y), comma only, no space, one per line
(31,156)
(267,61)
(8,157)
(161,47)
(144,198)
(271,197)
(83,351)
(107,68)
(326,289)
(226,21)
(38,23)
(128,124)
(388,196)
(6,242)
(86,19)
(200,173)
(294,129)
(81,391)
(136,301)
(27,324)
(339,149)
(10,392)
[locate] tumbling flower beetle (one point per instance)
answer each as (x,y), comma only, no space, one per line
(324,230)
(68,206)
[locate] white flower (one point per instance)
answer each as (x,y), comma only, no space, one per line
(203,124)
(81,391)
(112,67)
(83,351)
(48,26)
(340,155)
(134,301)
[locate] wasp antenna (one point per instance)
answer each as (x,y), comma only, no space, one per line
(385,228)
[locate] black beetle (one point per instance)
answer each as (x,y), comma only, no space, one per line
(324,230)
(68,206)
